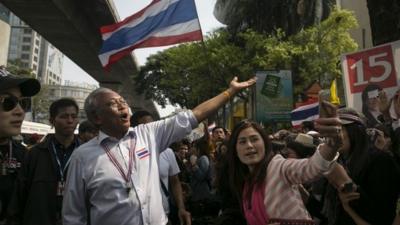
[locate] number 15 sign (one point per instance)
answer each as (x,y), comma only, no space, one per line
(379,65)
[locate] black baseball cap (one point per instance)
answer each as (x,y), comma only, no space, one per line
(28,86)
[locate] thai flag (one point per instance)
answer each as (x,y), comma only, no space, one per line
(163,22)
(307,112)
(142,153)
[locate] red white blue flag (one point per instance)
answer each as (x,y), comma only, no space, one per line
(162,22)
(308,112)
(142,153)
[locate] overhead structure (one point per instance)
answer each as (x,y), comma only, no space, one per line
(72,26)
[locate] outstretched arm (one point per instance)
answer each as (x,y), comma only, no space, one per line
(208,107)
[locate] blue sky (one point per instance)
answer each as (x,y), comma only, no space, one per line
(128,7)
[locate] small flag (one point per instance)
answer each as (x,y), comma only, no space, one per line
(162,22)
(334,97)
(142,153)
(307,112)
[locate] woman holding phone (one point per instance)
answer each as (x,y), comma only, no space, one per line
(375,172)
(265,184)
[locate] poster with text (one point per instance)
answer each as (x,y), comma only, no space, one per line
(369,72)
(274,96)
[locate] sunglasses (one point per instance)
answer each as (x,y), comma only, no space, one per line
(9,103)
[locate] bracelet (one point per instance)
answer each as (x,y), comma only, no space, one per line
(226,93)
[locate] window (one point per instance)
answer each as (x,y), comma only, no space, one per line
(36,50)
(27,31)
(26,39)
(37,42)
(26,48)
(24,56)
(34,67)
(35,58)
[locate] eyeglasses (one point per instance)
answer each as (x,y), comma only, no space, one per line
(9,103)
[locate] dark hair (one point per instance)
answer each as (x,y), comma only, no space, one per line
(87,126)
(137,115)
(238,172)
(309,125)
(277,146)
(371,121)
(359,148)
(60,104)
(217,127)
(176,145)
(301,150)
(203,147)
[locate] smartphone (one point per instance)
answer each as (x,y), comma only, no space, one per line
(348,187)
(324,111)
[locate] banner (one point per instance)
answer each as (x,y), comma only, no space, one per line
(367,72)
(274,96)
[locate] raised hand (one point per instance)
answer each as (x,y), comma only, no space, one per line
(330,126)
(237,86)
(384,102)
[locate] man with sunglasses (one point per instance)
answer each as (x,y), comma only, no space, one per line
(14,101)
(42,179)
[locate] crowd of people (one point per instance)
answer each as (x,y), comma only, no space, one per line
(126,167)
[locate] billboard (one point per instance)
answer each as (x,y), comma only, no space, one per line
(366,71)
(274,96)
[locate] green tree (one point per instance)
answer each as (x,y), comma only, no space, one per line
(191,73)
(15,67)
(312,54)
(267,16)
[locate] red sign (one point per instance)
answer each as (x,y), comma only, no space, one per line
(371,66)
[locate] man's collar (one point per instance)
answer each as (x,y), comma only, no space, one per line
(74,144)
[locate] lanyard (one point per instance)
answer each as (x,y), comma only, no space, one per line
(60,169)
(10,152)
(126,176)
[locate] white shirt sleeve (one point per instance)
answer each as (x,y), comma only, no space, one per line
(74,209)
(171,129)
(173,168)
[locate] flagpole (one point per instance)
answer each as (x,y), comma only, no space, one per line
(206,54)
(205,50)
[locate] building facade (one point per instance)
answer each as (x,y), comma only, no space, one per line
(33,52)
(4,34)
(51,64)
(362,34)
(24,45)
(77,91)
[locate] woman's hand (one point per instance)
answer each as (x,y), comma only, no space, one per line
(384,102)
(346,196)
(330,127)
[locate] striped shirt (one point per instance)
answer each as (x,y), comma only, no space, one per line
(282,198)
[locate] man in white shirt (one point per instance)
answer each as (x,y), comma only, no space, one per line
(114,179)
